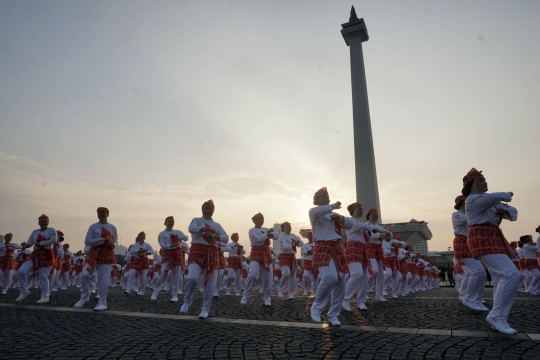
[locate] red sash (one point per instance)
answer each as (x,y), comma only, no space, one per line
(287,260)
(206,257)
(262,255)
(356,252)
(99,254)
(487,239)
(461,247)
(42,258)
(323,251)
(235,262)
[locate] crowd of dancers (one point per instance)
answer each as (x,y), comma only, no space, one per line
(371,260)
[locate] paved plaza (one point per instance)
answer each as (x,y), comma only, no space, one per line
(427,325)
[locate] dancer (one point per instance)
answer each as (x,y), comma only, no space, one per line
(172,258)
(357,257)
(139,253)
(287,260)
(260,264)
(531,263)
(101,239)
(7,261)
(328,256)
(66,266)
(41,260)
(309,276)
(488,244)
(203,257)
(375,252)
(472,285)
(234,265)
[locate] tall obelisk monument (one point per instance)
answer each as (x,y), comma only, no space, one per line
(367,191)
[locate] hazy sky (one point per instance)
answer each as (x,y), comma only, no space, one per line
(152,107)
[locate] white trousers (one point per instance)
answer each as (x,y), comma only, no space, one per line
(219,280)
(137,282)
(103,271)
(8,276)
(330,288)
(42,274)
(534,288)
(235,277)
(288,280)
(472,286)
(175,276)
(255,271)
(505,278)
(195,271)
(378,276)
(358,282)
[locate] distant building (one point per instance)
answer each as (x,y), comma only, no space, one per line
(421,247)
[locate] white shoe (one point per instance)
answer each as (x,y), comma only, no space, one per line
(381,299)
(484,301)
(243,301)
(471,306)
(100,307)
(395,296)
(345,305)
(54,290)
(43,301)
(227,292)
(154,296)
(315,316)
(306,293)
(141,293)
(291,297)
(334,321)
(173,299)
(184,309)
(80,303)
(203,314)
(63,288)
(362,306)
(22,296)
(97,297)
(482,307)
(280,294)
(267,302)
(384,293)
(460,298)
(501,326)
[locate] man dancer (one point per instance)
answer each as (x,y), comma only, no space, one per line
(172,257)
(328,256)
(203,257)
(102,238)
(41,261)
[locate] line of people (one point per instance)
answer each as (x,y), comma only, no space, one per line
(371,260)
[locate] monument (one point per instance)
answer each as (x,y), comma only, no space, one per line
(367,191)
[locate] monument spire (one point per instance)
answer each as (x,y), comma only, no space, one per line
(367,191)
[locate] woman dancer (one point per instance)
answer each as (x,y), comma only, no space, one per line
(357,257)
(530,251)
(203,257)
(101,239)
(472,286)
(260,263)
(7,260)
(328,256)
(488,244)
(172,259)
(234,265)
(41,260)
(287,260)
(309,278)
(139,252)
(375,251)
